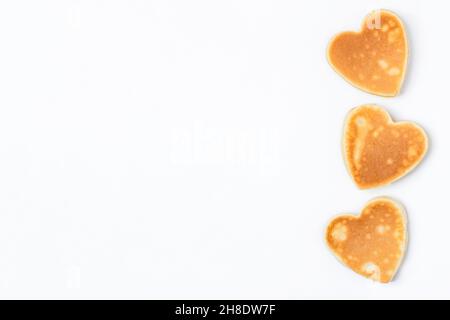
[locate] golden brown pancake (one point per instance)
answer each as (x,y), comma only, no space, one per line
(375,58)
(373,243)
(378,151)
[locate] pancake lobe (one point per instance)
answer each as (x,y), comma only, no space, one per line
(373,243)
(378,151)
(375,58)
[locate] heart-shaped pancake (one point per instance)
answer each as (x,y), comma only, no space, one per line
(373,243)
(378,151)
(375,58)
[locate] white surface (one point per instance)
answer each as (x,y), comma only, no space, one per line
(191,149)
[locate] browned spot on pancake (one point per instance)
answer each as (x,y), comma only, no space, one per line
(378,151)
(375,58)
(374,242)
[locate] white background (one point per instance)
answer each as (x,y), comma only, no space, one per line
(191,149)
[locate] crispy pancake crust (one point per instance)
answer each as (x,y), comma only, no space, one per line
(375,58)
(378,151)
(371,244)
